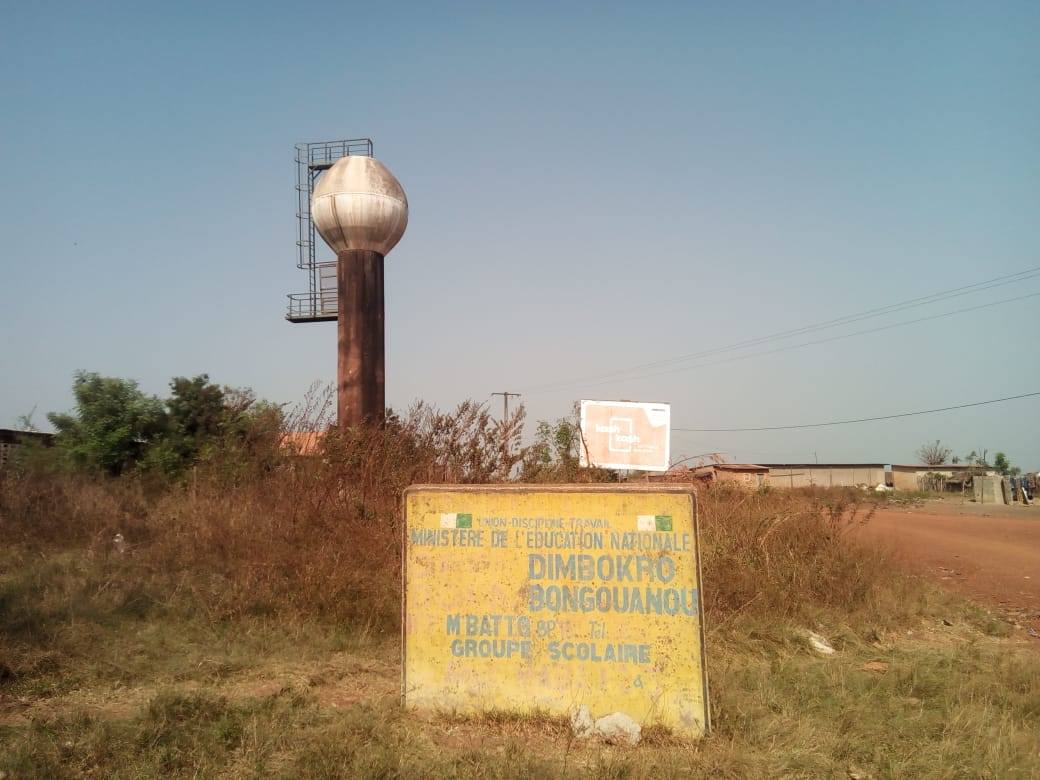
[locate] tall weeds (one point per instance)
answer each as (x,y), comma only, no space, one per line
(790,555)
(319,535)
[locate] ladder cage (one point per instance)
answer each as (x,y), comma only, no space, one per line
(319,303)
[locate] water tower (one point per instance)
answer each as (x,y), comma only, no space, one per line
(361,211)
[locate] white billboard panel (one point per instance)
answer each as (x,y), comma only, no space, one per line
(626,435)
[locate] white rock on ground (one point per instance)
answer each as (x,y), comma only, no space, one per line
(581,722)
(819,644)
(619,729)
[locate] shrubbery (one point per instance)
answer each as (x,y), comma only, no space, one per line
(116,428)
(254,528)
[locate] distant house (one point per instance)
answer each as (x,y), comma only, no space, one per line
(825,474)
(302,442)
(11,440)
(746,474)
(948,476)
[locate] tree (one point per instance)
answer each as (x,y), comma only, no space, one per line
(112,425)
(116,427)
(207,422)
(1001,463)
(973,458)
(194,418)
(196,408)
(555,455)
(251,428)
(25,422)
(556,450)
(934,454)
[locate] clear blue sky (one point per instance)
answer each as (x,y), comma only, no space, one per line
(592,187)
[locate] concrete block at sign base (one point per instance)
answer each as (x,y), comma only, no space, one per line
(618,729)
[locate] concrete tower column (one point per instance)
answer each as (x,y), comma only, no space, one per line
(361,394)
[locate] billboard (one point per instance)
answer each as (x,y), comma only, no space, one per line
(547,598)
(625,435)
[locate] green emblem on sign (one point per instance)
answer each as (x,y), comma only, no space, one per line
(663,522)
(456,520)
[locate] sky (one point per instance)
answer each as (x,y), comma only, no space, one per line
(592,187)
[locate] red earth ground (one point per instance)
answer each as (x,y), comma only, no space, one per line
(989,553)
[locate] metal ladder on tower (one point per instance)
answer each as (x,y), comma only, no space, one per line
(320,302)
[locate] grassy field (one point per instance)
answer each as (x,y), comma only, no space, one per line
(113,684)
(238,634)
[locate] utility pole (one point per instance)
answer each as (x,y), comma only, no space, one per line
(505,417)
(505,402)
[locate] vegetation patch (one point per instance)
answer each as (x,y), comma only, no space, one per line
(239,616)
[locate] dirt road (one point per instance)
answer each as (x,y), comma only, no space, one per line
(989,553)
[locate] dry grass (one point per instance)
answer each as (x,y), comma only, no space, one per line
(300,536)
(950,703)
(319,536)
(789,555)
(247,629)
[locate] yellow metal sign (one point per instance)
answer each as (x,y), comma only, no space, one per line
(529,598)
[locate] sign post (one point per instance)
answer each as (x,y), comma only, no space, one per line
(625,435)
(545,598)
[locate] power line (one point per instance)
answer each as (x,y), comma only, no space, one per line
(891,309)
(955,292)
(860,419)
(820,341)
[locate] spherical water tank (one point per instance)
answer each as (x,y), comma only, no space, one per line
(358,204)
